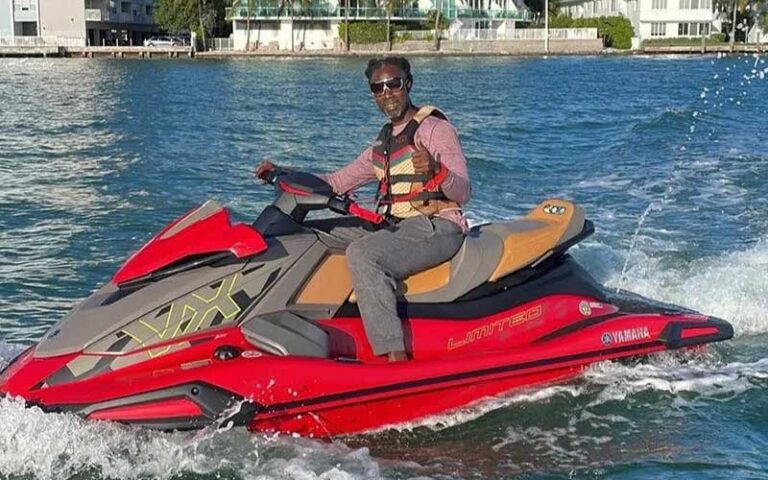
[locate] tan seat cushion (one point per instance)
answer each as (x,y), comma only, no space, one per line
(526,240)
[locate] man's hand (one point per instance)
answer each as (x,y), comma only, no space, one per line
(423,163)
(264,168)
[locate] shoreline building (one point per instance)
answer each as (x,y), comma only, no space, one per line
(314,25)
(74,23)
(652,18)
(127,22)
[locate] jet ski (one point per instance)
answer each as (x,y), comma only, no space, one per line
(215,323)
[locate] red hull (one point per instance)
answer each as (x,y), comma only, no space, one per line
(455,363)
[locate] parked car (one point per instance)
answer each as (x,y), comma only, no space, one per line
(163,42)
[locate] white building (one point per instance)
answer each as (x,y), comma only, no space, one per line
(290,25)
(652,18)
(73,23)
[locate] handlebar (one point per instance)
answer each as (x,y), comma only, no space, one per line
(345,206)
(337,203)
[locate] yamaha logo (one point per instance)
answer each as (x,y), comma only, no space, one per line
(625,336)
(554,209)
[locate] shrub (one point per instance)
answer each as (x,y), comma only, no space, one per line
(717,38)
(617,32)
(684,41)
(364,32)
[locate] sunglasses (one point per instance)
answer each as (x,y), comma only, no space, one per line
(392,84)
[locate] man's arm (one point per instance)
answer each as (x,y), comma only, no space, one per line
(352,176)
(440,139)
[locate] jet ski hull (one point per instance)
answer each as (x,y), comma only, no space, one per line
(198,386)
(257,325)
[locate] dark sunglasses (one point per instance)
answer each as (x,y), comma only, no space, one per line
(393,85)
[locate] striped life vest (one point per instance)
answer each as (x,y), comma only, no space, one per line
(402,192)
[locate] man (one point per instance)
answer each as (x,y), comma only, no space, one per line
(423,182)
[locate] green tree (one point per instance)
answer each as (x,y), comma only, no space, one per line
(390,6)
(731,10)
(249,5)
(537,8)
(764,17)
(201,16)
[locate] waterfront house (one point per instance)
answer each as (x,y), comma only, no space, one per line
(127,22)
(314,25)
(75,23)
(652,18)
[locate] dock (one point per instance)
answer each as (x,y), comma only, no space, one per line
(135,52)
(31,51)
(699,49)
(96,52)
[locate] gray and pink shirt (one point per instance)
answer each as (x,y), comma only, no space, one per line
(440,139)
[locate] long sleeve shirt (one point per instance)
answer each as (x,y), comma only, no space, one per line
(440,139)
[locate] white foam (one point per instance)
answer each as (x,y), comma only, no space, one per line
(689,382)
(481,407)
(54,446)
(732,286)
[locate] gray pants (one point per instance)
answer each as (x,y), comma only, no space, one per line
(379,259)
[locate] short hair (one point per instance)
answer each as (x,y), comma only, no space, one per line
(399,62)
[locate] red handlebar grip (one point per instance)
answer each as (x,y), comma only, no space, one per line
(367,215)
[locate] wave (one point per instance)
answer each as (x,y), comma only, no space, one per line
(669,118)
(732,286)
(47,446)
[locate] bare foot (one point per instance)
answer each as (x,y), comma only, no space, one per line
(400,356)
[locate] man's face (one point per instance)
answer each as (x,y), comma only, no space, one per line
(390,91)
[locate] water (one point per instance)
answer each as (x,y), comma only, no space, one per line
(668,155)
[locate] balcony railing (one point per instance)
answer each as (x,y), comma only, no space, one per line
(273,12)
(101,15)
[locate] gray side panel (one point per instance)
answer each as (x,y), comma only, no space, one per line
(92,320)
(213,402)
(279,297)
(286,334)
(470,268)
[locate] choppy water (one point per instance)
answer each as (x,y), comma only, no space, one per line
(95,156)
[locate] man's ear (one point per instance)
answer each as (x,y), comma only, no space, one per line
(409,83)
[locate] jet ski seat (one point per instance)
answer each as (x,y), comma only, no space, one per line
(493,251)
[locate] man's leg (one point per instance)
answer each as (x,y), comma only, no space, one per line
(379,260)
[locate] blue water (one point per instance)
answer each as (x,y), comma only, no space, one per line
(668,155)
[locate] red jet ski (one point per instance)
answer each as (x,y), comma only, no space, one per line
(257,325)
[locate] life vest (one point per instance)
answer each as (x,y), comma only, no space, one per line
(402,192)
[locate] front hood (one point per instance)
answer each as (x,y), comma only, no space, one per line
(110,309)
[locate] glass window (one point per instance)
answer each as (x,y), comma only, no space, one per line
(682,29)
(659,4)
(658,29)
